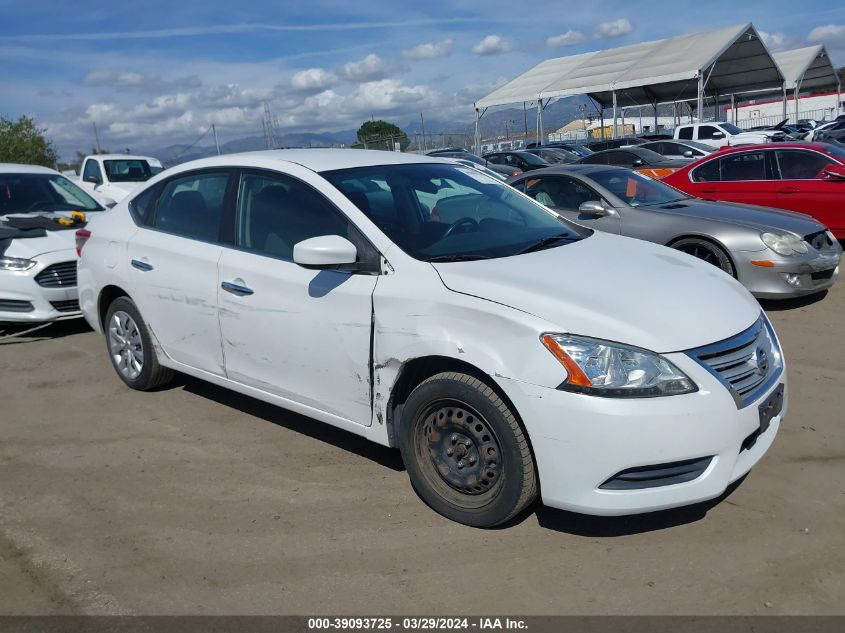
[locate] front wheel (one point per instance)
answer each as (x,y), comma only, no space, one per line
(465,452)
(130,347)
(707,251)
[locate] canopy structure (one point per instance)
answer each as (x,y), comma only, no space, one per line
(724,61)
(807,68)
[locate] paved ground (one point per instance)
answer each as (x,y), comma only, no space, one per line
(196,500)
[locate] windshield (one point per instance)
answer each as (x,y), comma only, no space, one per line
(132,170)
(20,193)
(531,159)
(837,151)
(445,212)
(731,128)
(636,189)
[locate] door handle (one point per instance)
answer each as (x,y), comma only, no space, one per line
(236,289)
(141,265)
(788,190)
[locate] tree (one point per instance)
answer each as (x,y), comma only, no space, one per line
(380,134)
(22,142)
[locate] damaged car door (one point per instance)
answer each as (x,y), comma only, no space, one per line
(294,332)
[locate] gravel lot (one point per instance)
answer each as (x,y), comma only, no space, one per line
(195,500)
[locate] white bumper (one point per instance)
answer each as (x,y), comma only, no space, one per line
(24,300)
(580,442)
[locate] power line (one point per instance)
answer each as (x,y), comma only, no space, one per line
(182,153)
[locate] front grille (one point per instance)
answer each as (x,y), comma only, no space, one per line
(746,364)
(71,305)
(13,305)
(822,274)
(657,475)
(58,275)
(820,240)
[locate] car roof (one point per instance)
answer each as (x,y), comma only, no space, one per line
(16,168)
(816,145)
(570,168)
(123,157)
(317,160)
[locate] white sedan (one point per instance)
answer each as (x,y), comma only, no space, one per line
(506,352)
(39,211)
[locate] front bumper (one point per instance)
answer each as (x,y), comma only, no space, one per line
(793,276)
(581,442)
(32,303)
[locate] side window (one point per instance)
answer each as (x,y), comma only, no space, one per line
(496,159)
(798,165)
(706,132)
(621,159)
(276,212)
(708,172)
(685,133)
(142,207)
(192,205)
(596,159)
(672,149)
(744,166)
(560,192)
(91,169)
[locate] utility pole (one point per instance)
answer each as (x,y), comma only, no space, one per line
(422,124)
(525,117)
(216,142)
(97,137)
(269,132)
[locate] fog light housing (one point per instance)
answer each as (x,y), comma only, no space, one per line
(797,280)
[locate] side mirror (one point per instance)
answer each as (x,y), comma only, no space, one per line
(326,252)
(94,179)
(637,163)
(717,135)
(836,172)
(108,203)
(688,153)
(594,208)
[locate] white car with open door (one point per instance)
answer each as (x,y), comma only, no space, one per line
(505,351)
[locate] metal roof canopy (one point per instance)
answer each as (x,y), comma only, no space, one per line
(809,68)
(724,61)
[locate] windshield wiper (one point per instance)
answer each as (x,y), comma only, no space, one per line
(548,241)
(458,257)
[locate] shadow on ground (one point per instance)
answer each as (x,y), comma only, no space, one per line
(770,305)
(17,333)
(293,421)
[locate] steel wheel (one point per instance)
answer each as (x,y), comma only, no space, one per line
(126,345)
(463,451)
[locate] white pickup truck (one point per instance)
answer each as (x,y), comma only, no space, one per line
(718,134)
(110,177)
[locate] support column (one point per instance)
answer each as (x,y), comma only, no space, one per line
(655,117)
(540,133)
(477,133)
(796,103)
(615,132)
(700,103)
(601,116)
(784,101)
(733,108)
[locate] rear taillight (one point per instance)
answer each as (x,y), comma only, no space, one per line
(82,236)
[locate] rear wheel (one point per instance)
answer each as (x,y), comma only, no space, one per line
(466,454)
(130,347)
(706,251)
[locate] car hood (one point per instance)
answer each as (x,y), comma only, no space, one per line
(29,247)
(614,288)
(746,215)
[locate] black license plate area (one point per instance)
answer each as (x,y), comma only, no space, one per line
(770,408)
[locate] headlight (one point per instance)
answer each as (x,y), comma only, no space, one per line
(15,263)
(784,244)
(613,370)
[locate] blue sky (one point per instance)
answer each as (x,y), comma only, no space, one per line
(155,73)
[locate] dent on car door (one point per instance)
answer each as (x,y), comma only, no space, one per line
(297,333)
(803,187)
(173,266)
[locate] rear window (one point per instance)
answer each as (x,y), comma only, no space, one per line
(685,133)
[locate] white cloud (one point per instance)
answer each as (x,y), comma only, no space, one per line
(313,80)
(491,45)
(615,28)
(429,50)
(773,41)
(371,68)
(570,38)
(126,80)
(826,33)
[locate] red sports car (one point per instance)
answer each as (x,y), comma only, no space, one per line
(805,177)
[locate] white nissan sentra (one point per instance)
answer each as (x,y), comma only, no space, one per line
(507,354)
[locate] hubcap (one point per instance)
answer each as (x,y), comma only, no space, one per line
(702,253)
(463,448)
(126,346)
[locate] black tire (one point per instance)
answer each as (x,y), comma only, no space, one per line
(499,483)
(151,374)
(706,251)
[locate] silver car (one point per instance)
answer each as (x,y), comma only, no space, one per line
(679,149)
(776,254)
